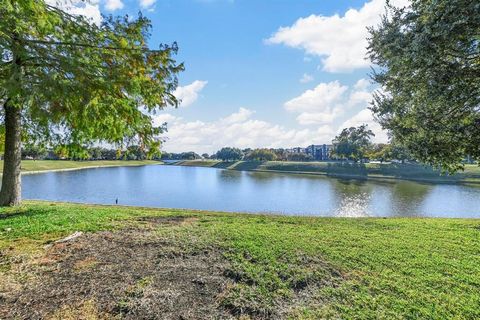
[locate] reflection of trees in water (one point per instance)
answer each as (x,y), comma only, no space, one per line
(346,197)
(356,198)
(230,175)
(407,197)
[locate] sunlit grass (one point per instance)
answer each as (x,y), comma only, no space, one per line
(366,268)
(45,165)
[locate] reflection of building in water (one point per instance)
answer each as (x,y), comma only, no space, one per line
(317,151)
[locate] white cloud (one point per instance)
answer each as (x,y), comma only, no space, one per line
(307,118)
(306,78)
(89,8)
(318,99)
(339,40)
(147,3)
(162,118)
(366,117)
(112,5)
(189,94)
(329,103)
(238,129)
(320,105)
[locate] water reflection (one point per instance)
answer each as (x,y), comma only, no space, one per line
(224,190)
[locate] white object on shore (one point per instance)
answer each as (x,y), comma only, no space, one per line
(71,237)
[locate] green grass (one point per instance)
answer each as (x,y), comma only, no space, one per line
(471,174)
(45,165)
(368,268)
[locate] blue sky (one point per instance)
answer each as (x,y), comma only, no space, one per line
(261,73)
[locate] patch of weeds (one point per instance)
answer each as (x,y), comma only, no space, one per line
(85,264)
(133,294)
(87,310)
(270,288)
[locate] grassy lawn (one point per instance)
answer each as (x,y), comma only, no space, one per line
(268,266)
(43,165)
(471,174)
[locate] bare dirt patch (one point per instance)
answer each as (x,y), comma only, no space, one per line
(128,274)
(153,268)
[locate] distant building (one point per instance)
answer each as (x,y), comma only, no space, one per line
(319,152)
(296,150)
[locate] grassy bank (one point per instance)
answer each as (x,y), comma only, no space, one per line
(471,174)
(132,261)
(50,165)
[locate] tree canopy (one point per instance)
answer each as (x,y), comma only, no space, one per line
(352,143)
(428,58)
(68,82)
(229,154)
(261,155)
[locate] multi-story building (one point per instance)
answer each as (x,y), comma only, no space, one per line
(319,151)
(296,150)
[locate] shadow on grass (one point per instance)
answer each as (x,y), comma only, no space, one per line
(248,165)
(238,165)
(20,213)
(224,164)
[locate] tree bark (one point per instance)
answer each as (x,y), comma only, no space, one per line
(11,192)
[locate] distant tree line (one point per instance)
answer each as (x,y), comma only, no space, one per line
(182,156)
(133,152)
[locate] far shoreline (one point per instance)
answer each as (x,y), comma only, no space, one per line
(321,169)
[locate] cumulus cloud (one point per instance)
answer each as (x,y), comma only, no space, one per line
(238,129)
(320,105)
(89,8)
(189,94)
(147,3)
(330,104)
(340,41)
(306,78)
(112,5)
(366,117)
(329,101)
(318,99)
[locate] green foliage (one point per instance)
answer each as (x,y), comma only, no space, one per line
(299,157)
(261,155)
(229,154)
(429,69)
(34,152)
(77,82)
(352,143)
(180,156)
(379,151)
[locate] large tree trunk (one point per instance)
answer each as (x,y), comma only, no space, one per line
(11,192)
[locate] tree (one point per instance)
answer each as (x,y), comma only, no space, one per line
(229,154)
(189,155)
(34,152)
(379,151)
(280,154)
(261,155)
(429,69)
(299,157)
(352,143)
(205,156)
(67,82)
(109,154)
(135,152)
(96,153)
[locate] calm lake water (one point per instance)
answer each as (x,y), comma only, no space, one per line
(224,190)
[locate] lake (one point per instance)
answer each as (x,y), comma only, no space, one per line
(255,192)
